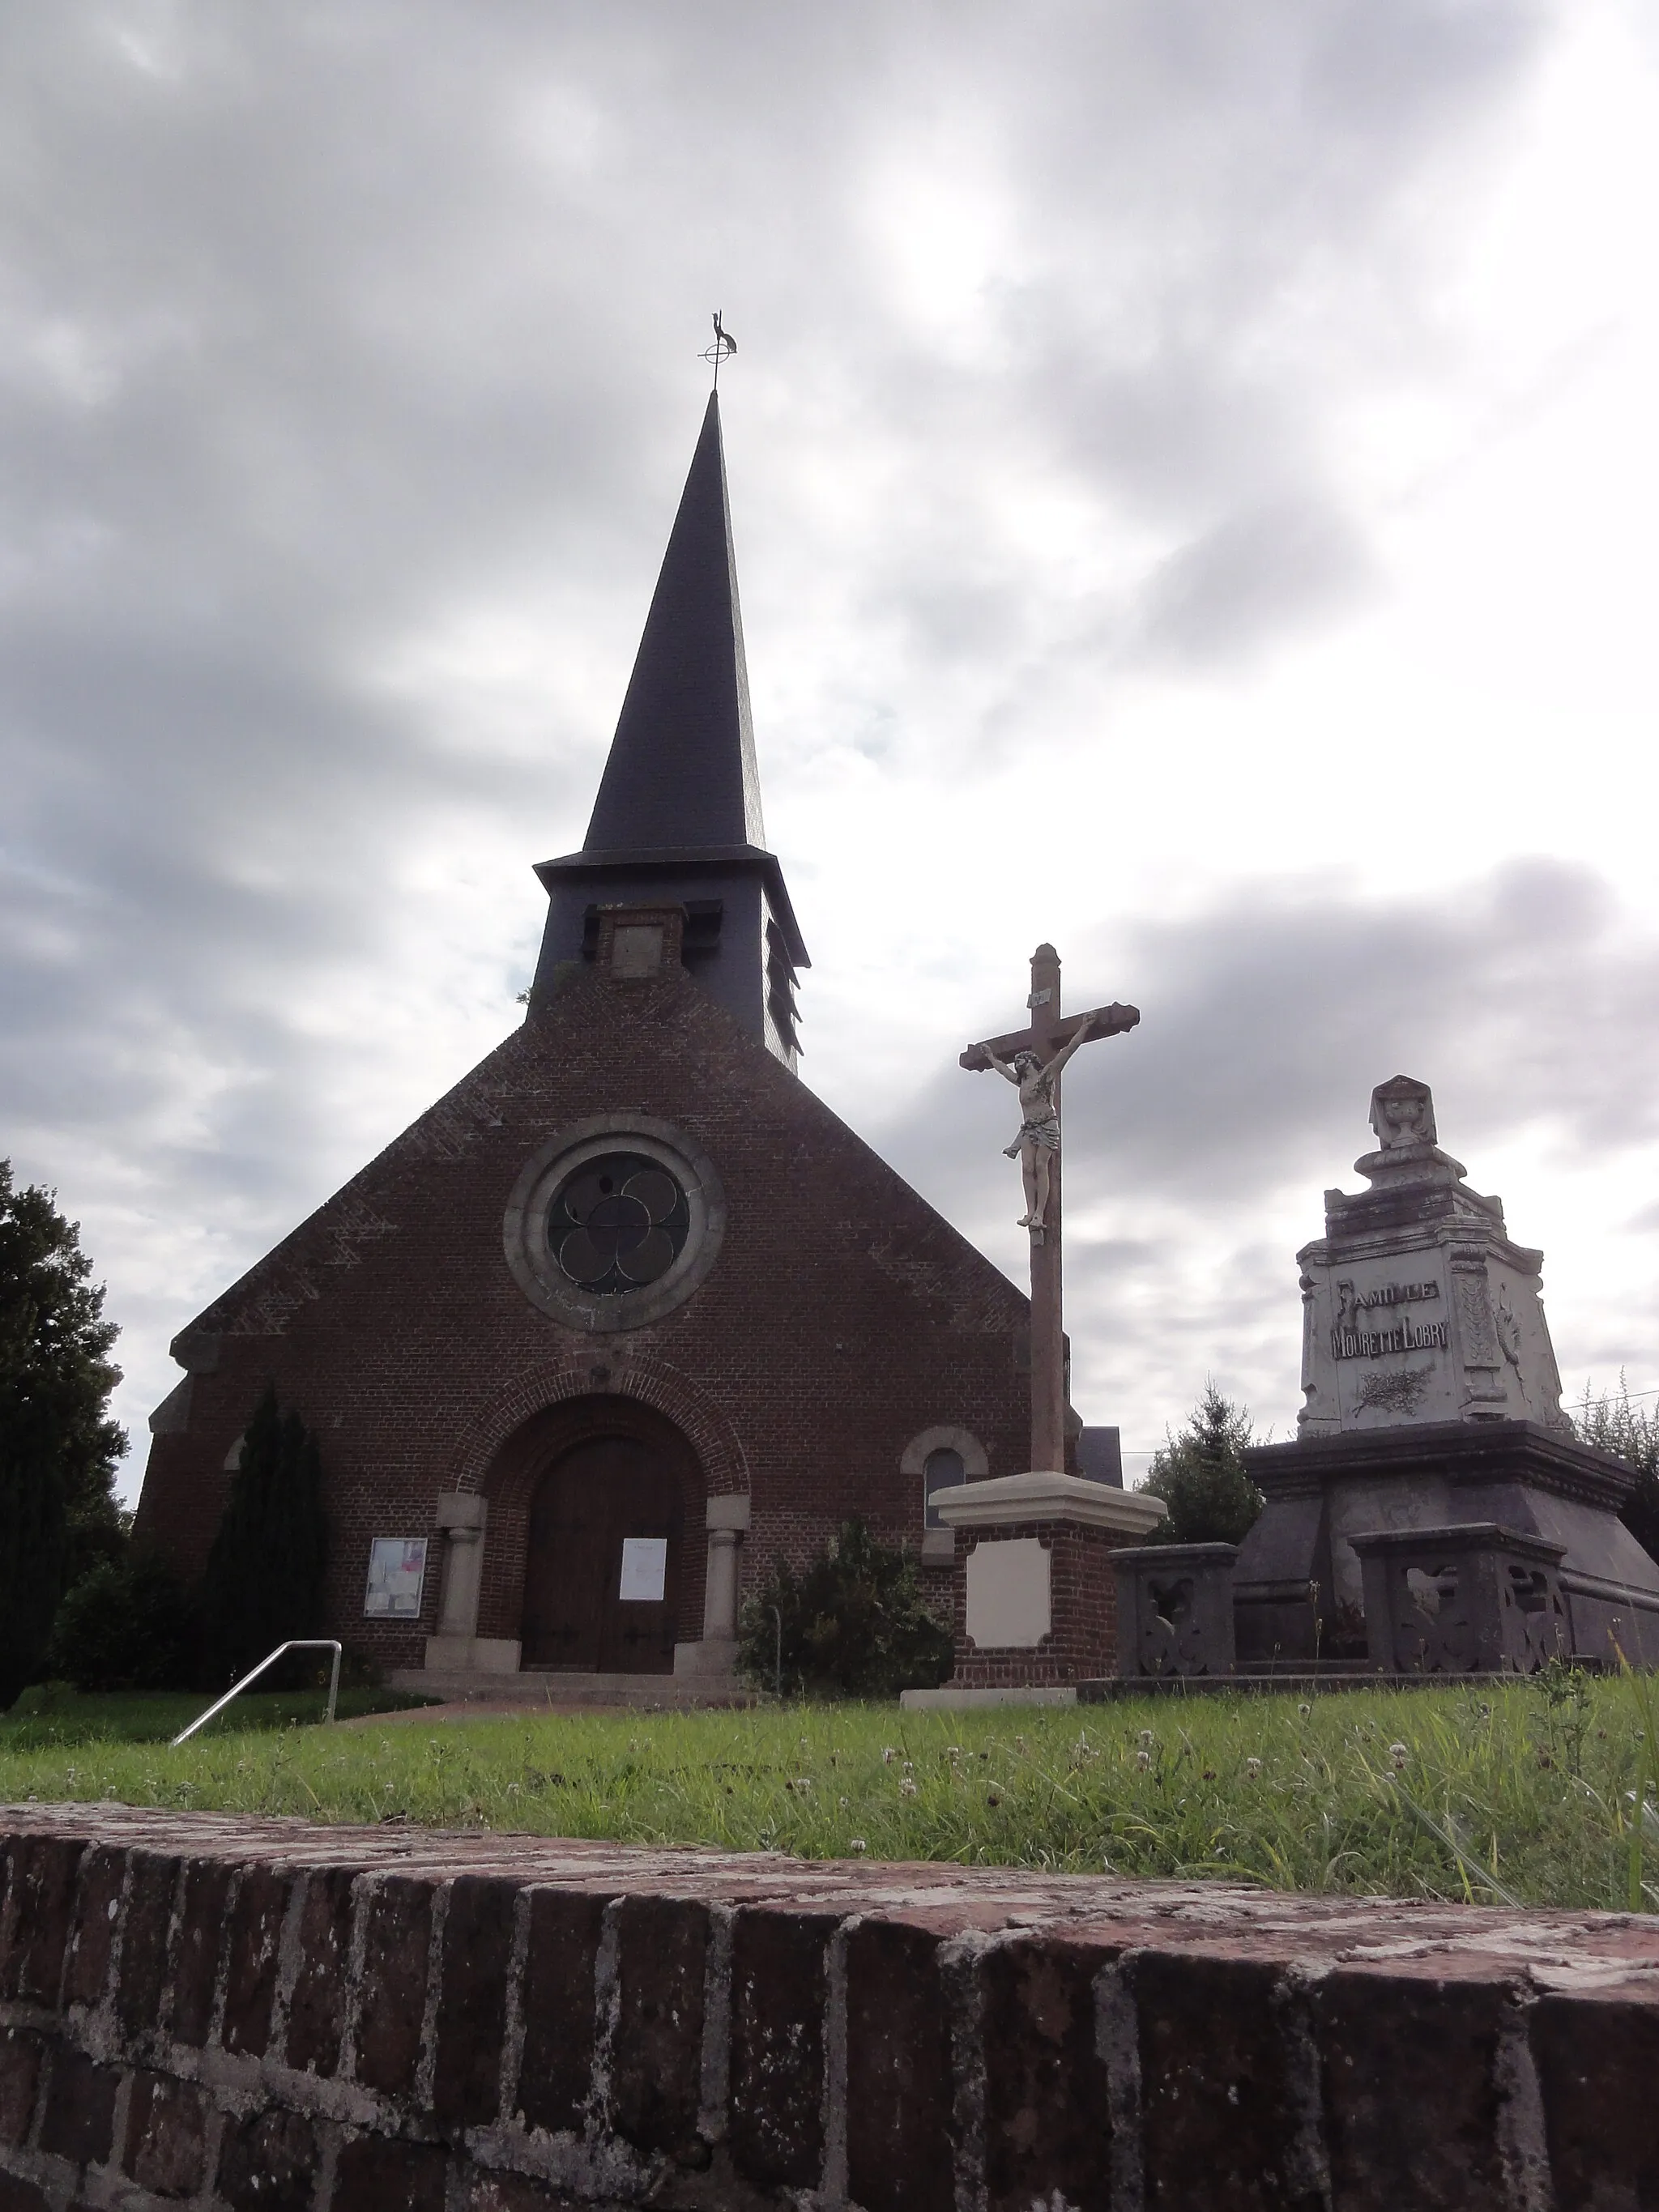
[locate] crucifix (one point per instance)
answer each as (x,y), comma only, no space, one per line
(1032,1058)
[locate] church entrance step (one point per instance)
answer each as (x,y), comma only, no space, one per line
(547,1690)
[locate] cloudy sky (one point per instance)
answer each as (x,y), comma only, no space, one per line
(1195,475)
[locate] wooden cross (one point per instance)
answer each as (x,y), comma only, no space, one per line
(1048,1032)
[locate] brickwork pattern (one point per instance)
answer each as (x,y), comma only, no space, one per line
(1083,1594)
(234,2013)
(843,1316)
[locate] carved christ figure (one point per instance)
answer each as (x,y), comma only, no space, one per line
(1038,1142)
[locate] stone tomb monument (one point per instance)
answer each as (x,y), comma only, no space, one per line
(1437,1510)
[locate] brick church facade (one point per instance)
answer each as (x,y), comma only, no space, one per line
(630,1313)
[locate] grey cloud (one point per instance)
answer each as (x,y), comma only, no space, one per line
(328,327)
(1258,572)
(1526,1001)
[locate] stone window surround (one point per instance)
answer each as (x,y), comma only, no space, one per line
(939,1545)
(524,1229)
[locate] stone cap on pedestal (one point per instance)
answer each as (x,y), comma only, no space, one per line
(1040,1497)
(1464,1453)
(1458,1536)
(1175,1555)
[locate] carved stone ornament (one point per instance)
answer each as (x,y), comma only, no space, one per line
(1402,1113)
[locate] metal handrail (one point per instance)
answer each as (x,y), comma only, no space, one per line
(295,1644)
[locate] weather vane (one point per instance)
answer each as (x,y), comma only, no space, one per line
(724,347)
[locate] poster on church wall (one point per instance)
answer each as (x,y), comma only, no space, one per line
(397,1577)
(644,1569)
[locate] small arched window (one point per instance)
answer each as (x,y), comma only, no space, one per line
(941,1470)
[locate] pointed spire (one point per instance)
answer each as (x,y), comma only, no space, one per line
(681,776)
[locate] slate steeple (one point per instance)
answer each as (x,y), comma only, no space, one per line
(682,773)
(678,817)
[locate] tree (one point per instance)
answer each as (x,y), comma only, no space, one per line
(264,1580)
(1200,1477)
(854,1622)
(57,1445)
(129,1624)
(1614,1424)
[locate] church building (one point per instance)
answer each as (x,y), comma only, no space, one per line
(630,1313)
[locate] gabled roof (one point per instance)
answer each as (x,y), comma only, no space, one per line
(681,777)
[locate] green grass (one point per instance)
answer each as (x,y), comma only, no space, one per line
(1527,1793)
(53,1716)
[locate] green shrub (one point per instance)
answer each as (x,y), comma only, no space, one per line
(854,1623)
(128,1624)
(1200,1477)
(1614,1424)
(264,1580)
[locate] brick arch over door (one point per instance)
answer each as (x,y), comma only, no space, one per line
(652,1382)
(534,1448)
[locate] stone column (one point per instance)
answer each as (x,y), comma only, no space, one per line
(457,1644)
(719,1603)
(727,1520)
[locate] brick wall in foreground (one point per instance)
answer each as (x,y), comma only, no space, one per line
(200,2010)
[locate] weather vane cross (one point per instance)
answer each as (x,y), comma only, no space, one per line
(724,347)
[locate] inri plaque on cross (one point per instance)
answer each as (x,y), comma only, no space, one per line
(1032,1058)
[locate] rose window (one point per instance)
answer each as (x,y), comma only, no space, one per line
(617,1223)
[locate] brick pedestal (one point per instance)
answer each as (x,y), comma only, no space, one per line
(1036,1600)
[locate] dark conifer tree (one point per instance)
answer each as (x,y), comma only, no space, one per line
(1200,1477)
(264,1581)
(57,1446)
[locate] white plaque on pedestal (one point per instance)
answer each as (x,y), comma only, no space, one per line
(1009,1604)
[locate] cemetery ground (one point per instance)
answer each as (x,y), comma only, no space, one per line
(1544,1793)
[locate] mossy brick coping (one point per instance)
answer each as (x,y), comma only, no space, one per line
(224,2012)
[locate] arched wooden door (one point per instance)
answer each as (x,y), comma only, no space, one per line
(602,1577)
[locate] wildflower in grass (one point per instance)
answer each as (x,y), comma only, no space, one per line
(1399,1753)
(856,1843)
(1147,1739)
(1253,1767)
(1020,1743)
(906,1788)
(1143,1760)
(1304,1711)
(908,1768)
(804,1783)
(841,1801)
(888,1755)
